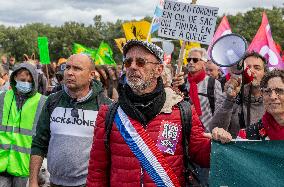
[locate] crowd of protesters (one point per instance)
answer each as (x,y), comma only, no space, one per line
(92,122)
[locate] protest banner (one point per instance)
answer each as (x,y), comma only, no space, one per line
(188,22)
(156,18)
(263,43)
(223,29)
(247,163)
(43,50)
(42,43)
(79,48)
(104,55)
(120,42)
(136,30)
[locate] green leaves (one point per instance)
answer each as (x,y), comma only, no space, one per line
(23,40)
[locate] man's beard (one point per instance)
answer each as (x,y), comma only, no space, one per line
(191,69)
(138,85)
(255,83)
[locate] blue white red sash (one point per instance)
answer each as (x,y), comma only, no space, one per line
(146,151)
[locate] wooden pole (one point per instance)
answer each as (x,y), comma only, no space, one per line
(180,58)
(47,76)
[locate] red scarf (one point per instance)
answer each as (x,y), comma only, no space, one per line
(273,129)
(193,91)
(228,76)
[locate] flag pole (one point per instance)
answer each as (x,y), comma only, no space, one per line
(149,33)
(181,53)
(47,76)
(180,58)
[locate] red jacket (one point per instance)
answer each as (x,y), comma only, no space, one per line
(125,168)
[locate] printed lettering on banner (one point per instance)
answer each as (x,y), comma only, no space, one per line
(188,22)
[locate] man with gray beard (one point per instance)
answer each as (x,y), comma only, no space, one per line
(143,139)
(240,111)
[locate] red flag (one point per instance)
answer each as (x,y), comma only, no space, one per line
(263,44)
(223,29)
(278,47)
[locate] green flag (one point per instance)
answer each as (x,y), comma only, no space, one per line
(43,50)
(247,163)
(78,48)
(104,55)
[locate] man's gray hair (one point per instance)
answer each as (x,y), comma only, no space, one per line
(202,51)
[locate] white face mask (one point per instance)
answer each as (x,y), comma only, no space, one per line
(24,87)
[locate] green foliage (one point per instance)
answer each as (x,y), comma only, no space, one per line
(248,23)
(17,41)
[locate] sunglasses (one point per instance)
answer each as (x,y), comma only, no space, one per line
(194,60)
(140,62)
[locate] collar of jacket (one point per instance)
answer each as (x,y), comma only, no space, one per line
(85,98)
(172,98)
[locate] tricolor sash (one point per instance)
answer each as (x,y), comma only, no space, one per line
(145,150)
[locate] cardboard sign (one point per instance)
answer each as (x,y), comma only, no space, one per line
(188,22)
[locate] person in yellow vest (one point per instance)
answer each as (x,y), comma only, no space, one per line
(19,112)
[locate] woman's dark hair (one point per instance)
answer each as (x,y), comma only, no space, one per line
(270,75)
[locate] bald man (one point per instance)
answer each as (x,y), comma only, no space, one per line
(64,131)
(215,72)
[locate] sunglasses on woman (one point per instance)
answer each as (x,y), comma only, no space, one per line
(194,60)
(140,62)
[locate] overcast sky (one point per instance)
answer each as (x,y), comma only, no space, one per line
(56,12)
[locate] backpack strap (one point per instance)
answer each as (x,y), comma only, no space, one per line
(108,127)
(54,100)
(186,116)
(210,93)
(109,122)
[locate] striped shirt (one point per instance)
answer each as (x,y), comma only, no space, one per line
(204,102)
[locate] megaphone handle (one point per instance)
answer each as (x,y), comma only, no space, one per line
(180,60)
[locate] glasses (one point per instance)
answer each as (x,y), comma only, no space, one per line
(268,91)
(194,60)
(140,62)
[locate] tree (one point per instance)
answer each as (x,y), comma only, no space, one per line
(20,40)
